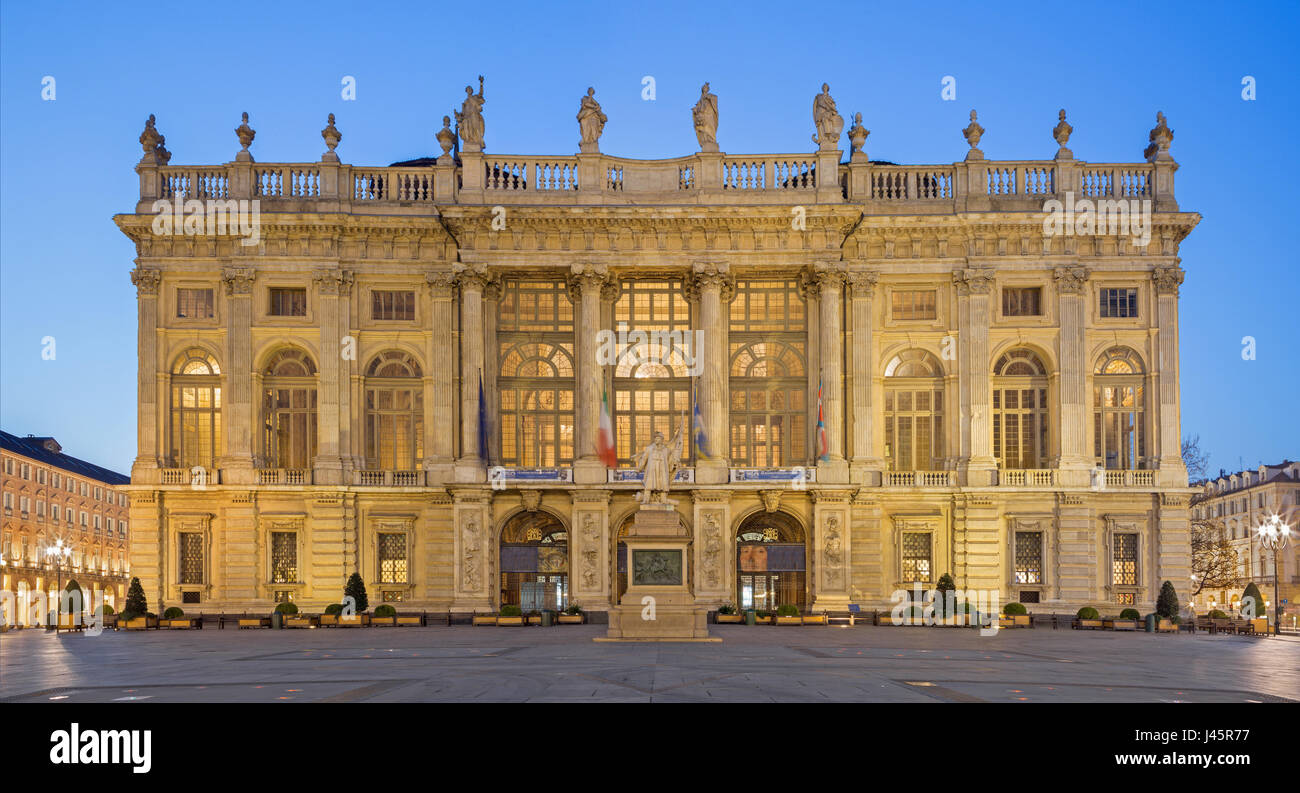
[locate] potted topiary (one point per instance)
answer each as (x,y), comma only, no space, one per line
(945,585)
(291,616)
(788,614)
(330,617)
(174,617)
(1088,618)
(135,614)
(1127,620)
(727,615)
(572,615)
(385,614)
(1014,615)
(355,589)
(510,615)
(763,617)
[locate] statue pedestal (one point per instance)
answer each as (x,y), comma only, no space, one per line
(658,604)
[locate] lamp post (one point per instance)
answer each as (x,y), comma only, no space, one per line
(58,552)
(1274,535)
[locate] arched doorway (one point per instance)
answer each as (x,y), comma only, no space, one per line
(535,562)
(771,562)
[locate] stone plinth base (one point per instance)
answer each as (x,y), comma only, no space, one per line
(671,623)
(658,604)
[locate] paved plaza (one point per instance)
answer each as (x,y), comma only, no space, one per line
(563,664)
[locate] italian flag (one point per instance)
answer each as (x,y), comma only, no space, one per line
(605,437)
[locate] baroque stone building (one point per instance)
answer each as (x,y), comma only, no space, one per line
(400,371)
(55,500)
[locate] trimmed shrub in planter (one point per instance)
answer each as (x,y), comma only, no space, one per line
(286,608)
(1088,618)
(173,613)
(1167,603)
(572,615)
(1130,614)
(1088,613)
(334,609)
(1015,609)
(510,615)
(1216,614)
(356,588)
(764,617)
(1014,615)
(788,614)
(136,604)
(727,615)
(1257,602)
(384,614)
(941,590)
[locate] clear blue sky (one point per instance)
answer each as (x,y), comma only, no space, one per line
(66,165)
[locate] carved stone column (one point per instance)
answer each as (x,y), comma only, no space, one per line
(149,441)
(589,550)
(1173,471)
(239,410)
(439,403)
(715,549)
(712,285)
(334,287)
(475,550)
(865,465)
(973,288)
(471,281)
(1076,455)
(827,280)
(586,280)
(491,302)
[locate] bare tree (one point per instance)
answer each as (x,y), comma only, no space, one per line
(1214,560)
(1196,461)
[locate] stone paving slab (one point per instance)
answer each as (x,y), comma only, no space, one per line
(563,664)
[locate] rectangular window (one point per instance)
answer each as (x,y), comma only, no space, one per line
(40,476)
(392,558)
(1029,557)
(288,302)
(387,304)
(190,597)
(55,513)
(914,304)
(1022,301)
(194,304)
(916,556)
(392,596)
(284,557)
(1029,596)
(283,596)
(1126,599)
(1119,303)
(191,557)
(1124,560)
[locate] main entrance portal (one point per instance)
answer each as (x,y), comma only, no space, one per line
(771,567)
(535,562)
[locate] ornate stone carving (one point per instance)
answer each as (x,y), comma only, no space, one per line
(833,551)
(858,138)
(863,282)
(1160,136)
(238,280)
(973,132)
(446,138)
(530,499)
(147,280)
(332,137)
(659,462)
(824,275)
(1071,280)
(439,282)
(591,123)
(471,550)
(245,134)
(1061,133)
(471,276)
(712,549)
(333,282)
(704,115)
(1167,279)
(827,120)
(771,499)
(151,140)
(710,275)
(972,281)
(469,119)
(590,552)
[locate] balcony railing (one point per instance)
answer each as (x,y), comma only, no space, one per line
(384,478)
(919,479)
(1131,478)
(1027,477)
(284,476)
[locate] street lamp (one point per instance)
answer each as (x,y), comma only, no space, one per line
(1274,535)
(58,552)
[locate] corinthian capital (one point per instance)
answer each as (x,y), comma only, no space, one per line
(333,282)
(586,275)
(146,280)
(824,275)
(471,276)
(439,282)
(863,282)
(1167,279)
(973,281)
(238,280)
(709,276)
(1071,280)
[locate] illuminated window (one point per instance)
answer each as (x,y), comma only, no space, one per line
(1029,557)
(535,366)
(195,432)
(284,557)
(1020,414)
(191,557)
(914,438)
(289,410)
(652,385)
(392,558)
(394,413)
(916,557)
(1124,560)
(1119,397)
(768,377)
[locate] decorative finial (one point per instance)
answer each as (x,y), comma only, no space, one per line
(1061,132)
(973,133)
(857,138)
(446,139)
(1160,136)
(245,134)
(332,137)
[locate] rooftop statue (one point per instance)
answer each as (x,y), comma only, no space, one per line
(705,117)
(470,118)
(828,121)
(591,122)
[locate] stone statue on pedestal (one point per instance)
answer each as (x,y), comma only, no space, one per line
(470,118)
(705,117)
(591,122)
(659,461)
(827,119)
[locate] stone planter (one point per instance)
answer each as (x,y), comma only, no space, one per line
(183,623)
(1013,621)
(253,622)
(764,620)
(410,620)
(140,623)
(814,619)
(571,619)
(1088,625)
(789,620)
(384,622)
(487,619)
(729,619)
(510,621)
(1120,625)
(301,621)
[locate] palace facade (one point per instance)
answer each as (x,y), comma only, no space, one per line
(400,371)
(53,500)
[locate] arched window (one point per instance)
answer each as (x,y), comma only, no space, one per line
(535,373)
(771,562)
(195,431)
(535,562)
(1119,399)
(652,386)
(914,439)
(1020,414)
(768,374)
(394,413)
(289,410)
